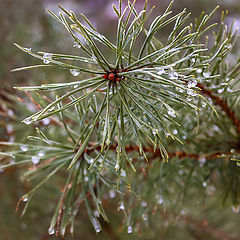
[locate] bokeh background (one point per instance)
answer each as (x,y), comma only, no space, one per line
(27,23)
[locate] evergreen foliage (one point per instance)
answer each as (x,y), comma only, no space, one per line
(152,124)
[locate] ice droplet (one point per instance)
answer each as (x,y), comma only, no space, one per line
(144,204)
(51,231)
(47,57)
(27,121)
(74,72)
(129,229)
(204,184)
(24,148)
(35,160)
(160,70)
(121,207)
(76,45)
(96,225)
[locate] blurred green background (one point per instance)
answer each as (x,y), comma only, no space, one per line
(27,23)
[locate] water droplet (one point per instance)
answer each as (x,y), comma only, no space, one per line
(10,112)
(173,75)
(94,59)
(155,131)
(193,60)
(28,49)
(191,93)
(144,204)
(96,225)
(129,229)
(236,209)
(206,74)
(35,160)
(63,231)
(183,212)
(204,184)
(232,150)
(25,198)
(175,131)
(76,45)
(46,121)
(123,173)
(112,194)
(144,217)
(180,172)
(51,231)
(47,57)
(24,148)
(121,207)
(117,166)
(159,199)
(74,72)
(202,161)
(27,121)
(167,134)
(171,112)
(51,109)
(96,213)
(160,70)
(199,70)
(41,154)
(86,179)
(204,104)
(220,90)
(229,89)
(192,83)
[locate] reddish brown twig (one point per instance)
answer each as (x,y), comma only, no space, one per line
(179,154)
(223,104)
